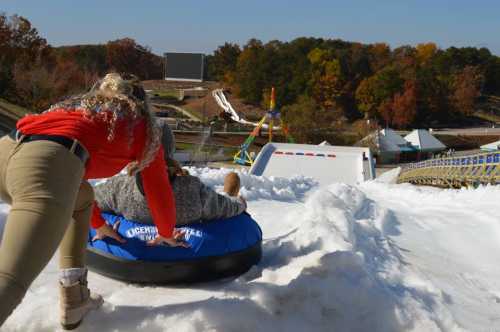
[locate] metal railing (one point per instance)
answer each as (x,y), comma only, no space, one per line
(454,172)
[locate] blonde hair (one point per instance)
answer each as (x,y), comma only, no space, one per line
(119,97)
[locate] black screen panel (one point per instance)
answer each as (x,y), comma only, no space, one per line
(184,66)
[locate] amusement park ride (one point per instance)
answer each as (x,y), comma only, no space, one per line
(325,163)
(273,115)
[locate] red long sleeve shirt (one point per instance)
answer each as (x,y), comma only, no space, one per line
(108,158)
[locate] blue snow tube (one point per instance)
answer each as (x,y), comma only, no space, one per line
(219,248)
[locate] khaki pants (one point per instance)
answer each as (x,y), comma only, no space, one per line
(51,207)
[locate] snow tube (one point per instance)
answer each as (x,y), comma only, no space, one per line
(219,248)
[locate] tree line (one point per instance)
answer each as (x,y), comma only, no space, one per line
(34,74)
(320,83)
(324,83)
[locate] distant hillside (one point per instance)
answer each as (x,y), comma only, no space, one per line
(35,74)
(122,55)
(332,80)
(88,57)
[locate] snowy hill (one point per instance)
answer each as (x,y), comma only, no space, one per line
(372,257)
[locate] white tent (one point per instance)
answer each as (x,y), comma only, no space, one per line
(422,140)
(494,146)
(324,143)
(385,144)
(385,150)
(391,135)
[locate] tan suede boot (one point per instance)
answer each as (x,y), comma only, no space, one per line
(232,184)
(75,301)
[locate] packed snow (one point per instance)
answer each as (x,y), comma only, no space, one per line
(372,257)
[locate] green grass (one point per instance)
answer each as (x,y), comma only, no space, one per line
(183,146)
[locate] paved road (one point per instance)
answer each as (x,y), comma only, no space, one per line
(179,109)
(468,131)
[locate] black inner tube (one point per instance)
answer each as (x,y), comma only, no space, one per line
(175,272)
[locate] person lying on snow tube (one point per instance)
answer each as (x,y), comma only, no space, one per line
(194,201)
(44,167)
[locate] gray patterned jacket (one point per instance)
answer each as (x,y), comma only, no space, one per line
(195,202)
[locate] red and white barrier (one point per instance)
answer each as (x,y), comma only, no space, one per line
(326,164)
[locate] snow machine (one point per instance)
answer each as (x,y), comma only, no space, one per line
(218,249)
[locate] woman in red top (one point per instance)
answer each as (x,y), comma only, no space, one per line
(44,166)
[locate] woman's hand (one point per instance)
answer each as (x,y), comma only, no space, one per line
(106,231)
(177,240)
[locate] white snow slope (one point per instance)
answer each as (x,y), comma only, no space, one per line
(373,257)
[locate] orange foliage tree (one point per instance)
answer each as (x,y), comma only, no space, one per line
(125,55)
(35,75)
(327,80)
(20,47)
(400,110)
(404,105)
(425,52)
(467,87)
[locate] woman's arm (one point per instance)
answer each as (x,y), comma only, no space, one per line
(105,200)
(102,228)
(96,219)
(159,195)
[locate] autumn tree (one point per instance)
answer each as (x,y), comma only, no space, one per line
(327,80)
(20,46)
(249,74)
(304,118)
(366,99)
(223,62)
(295,70)
(125,55)
(39,87)
(19,40)
(380,56)
(400,110)
(386,112)
(90,58)
(467,87)
(379,88)
(318,81)
(433,94)
(404,105)
(425,51)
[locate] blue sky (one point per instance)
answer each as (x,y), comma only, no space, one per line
(201,26)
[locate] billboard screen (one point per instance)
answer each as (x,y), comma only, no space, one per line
(184,66)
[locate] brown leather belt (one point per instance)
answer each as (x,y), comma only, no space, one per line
(72,145)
